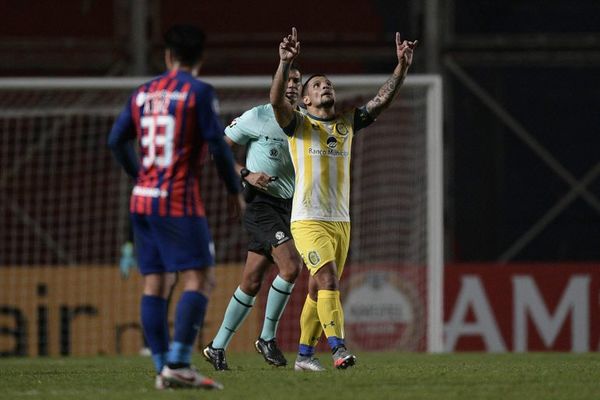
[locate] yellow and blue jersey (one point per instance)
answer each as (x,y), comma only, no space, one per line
(321,152)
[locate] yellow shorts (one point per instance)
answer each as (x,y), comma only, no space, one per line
(320,242)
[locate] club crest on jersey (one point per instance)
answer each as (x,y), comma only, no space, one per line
(313,258)
(341,129)
(279,235)
(331,142)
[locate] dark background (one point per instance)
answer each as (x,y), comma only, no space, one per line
(535,61)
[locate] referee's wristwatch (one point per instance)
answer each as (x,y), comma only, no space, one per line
(244,172)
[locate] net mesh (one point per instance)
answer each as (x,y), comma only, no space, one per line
(64,207)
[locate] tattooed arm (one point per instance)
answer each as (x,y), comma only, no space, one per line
(387,93)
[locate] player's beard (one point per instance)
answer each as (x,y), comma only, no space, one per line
(327,102)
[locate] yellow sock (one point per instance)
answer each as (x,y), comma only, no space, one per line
(310,326)
(331,314)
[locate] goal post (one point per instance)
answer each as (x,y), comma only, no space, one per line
(64,207)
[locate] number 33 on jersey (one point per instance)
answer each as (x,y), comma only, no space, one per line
(172,117)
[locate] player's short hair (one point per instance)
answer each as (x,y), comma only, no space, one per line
(296,67)
(305,86)
(186,42)
(293,66)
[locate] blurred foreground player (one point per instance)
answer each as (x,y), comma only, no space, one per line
(320,142)
(174,121)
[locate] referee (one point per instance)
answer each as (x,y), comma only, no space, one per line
(269,186)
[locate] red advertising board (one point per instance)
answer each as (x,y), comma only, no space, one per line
(384,308)
(522,307)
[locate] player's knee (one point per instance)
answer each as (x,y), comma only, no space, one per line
(210,283)
(313,288)
(168,285)
(251,285)
(328,284)
(203,280)
(290,270)
(157,285)
(290,264)
(326,279)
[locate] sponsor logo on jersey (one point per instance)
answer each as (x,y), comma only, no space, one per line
(273,153)
(327,152)
(331,142)
(160,96)
(149,192)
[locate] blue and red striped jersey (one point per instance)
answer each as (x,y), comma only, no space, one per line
(173,118)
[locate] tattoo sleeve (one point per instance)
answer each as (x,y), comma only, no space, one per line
(386,94)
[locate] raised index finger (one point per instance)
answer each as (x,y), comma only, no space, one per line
(398,40)
(294,34)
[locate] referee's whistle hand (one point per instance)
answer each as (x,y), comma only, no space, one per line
(259,180)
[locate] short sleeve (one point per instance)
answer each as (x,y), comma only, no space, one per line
(244,128)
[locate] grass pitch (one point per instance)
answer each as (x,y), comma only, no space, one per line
(376,376)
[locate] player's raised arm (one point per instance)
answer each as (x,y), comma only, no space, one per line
(289,48)
(388,92)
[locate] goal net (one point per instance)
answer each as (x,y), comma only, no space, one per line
(64,207)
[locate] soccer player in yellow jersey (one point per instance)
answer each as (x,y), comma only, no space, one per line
(320,145)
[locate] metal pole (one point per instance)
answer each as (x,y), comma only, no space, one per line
(432,36)
(138,37)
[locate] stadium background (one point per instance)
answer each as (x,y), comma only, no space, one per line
(520,136)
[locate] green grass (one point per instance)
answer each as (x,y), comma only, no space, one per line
(376,376)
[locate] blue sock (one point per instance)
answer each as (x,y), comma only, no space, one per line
(278,297)
(335,342)
(238,309)
(306,350)
(188,320)
(156,328)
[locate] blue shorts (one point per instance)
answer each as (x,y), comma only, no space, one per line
(170,244)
